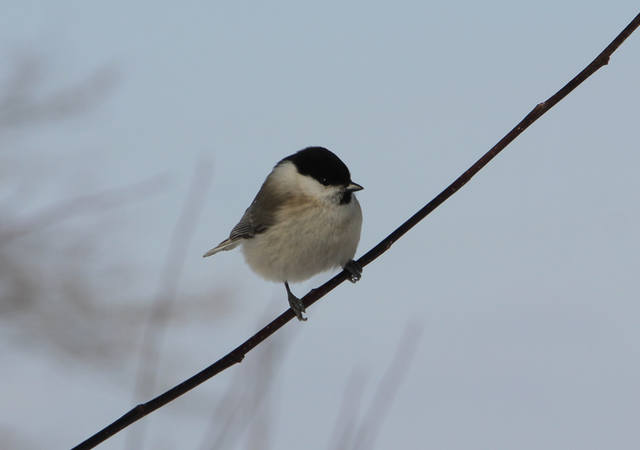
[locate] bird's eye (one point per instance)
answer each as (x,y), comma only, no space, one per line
(324,181)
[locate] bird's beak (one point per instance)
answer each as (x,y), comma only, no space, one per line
(352,187)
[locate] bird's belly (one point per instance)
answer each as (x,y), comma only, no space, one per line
(304,246)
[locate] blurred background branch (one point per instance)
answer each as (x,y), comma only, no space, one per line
(59,292)
(46,286)
(23,102)
(85,204)
(161,310)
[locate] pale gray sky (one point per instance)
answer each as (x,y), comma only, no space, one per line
(525,281)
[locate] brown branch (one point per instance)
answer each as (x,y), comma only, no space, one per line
(236,355)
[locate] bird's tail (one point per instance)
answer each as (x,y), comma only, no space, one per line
(227,244)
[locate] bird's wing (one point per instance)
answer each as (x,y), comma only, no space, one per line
(252,223)
(258,217)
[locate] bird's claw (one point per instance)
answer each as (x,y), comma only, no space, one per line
(298,307)
(354,270)
(296,304)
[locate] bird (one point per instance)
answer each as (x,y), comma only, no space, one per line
(304,220)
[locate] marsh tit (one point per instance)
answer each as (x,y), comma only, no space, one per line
(304,220)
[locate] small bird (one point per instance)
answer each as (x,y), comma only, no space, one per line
(304,220)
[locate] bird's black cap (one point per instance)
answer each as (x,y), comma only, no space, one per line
(321,164)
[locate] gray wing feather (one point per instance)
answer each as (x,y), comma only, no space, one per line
(258,217)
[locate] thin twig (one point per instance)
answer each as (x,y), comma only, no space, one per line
(237,355)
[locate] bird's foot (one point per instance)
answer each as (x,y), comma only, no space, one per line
(295,303)
(354,269)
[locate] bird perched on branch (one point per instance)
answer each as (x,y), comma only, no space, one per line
(304,220)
